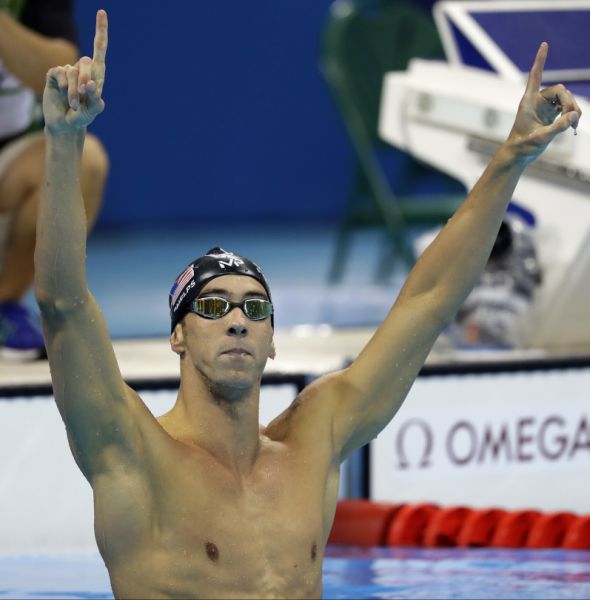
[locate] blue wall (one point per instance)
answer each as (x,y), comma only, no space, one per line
(217,111)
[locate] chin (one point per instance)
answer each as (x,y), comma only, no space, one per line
(238,380)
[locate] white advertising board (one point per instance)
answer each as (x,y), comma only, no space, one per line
(514,440)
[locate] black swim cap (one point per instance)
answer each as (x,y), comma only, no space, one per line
(215,263)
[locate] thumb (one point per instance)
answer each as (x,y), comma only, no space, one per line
(562,124)
(92,106)
(85,113)
(574,118)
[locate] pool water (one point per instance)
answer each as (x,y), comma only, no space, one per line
(456,573)
(350,573)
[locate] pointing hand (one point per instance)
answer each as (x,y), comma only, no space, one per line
(73,94)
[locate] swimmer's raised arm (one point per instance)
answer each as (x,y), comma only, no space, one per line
(89,390)
(379,379)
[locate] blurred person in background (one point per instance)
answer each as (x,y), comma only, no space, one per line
(35,35)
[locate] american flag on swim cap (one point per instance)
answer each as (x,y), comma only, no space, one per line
(181,282)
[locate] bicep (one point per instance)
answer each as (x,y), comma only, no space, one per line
(379,379)
(92,398)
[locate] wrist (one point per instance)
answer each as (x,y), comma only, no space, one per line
(65,140)
(64,133)
(58,133)
(511,156)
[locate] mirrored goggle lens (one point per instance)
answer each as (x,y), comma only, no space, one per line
(255,309)
(212,308)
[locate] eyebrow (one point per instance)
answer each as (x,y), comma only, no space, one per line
(224,292)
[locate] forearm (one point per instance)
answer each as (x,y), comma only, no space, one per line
(29,55)
(60,253)
(451,265)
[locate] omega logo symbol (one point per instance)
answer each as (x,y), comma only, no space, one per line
(422,429)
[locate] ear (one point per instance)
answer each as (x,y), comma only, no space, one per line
(177,340)
(272,353)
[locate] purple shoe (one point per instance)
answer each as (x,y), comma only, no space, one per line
(20,338)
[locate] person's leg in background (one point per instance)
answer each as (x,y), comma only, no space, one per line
(20,188)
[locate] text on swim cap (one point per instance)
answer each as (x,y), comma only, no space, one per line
(188,287)
(231,262)
(180,282)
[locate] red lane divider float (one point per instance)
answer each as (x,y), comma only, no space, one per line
(479,526)
(549,530)
(366,523)
(444,526)
(407,529)
(514,528)
(577,536)
(362,523)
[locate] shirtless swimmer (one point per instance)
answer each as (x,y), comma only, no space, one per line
(202,502)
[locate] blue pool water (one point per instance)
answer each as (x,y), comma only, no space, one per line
(351,573)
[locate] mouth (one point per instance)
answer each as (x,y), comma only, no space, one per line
(236,352)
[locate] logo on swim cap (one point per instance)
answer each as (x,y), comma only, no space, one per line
(216,263)
(230,261)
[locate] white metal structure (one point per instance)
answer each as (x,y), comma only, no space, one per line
(453,117)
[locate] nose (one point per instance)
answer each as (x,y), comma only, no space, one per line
(238,324)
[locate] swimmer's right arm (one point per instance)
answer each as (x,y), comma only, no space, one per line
(90,393)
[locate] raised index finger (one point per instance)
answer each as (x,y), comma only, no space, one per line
(536,72)
(101,40)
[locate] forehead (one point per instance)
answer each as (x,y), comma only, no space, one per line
(235,284)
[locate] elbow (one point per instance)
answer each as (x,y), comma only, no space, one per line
(49,306)
(43,298)
(54,308)
(46,300)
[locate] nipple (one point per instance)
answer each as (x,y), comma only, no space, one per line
(212,551)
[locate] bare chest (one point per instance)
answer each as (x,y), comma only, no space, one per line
(259,536)
(279,504)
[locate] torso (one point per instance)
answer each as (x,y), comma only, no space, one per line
(182,525)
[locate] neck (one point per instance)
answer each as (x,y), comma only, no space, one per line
(221,419)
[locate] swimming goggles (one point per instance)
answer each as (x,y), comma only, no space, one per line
(213,307)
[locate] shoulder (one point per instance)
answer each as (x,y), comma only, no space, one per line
(312,411)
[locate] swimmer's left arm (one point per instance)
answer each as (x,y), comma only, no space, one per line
(373,388)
